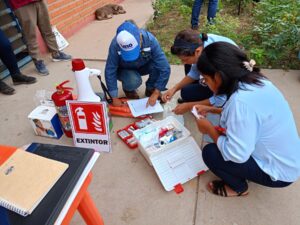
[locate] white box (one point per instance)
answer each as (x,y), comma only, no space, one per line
(45,122)
(176,162)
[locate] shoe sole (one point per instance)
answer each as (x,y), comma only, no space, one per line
(24,82)
(43,74)
(61,60)
(9,93)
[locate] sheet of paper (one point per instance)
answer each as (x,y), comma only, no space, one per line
(195,113)
(138,107)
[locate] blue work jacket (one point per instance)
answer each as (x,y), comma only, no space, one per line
(151,52)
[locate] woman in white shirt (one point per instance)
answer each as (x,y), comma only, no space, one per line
(259,141)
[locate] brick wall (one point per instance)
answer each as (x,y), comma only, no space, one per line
(71,15)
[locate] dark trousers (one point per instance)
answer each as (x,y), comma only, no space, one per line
(211,10)
(236,175)
(194,92)
(7,55)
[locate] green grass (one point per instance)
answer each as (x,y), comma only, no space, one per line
(172,16)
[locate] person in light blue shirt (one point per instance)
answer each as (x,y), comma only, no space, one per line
(188,45)
(258,139)
(133,53)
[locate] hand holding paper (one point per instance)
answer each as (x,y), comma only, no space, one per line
(196,114)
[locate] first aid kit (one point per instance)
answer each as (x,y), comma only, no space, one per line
(126,133)
(168,146)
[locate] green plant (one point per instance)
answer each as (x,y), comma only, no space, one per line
(268,31)
(185,10)
(277,30)
(240,5)
(188,3)
(162,6)
(258,54)
(224,25)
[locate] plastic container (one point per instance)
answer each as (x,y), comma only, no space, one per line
(147,151)
(126,133)
(176,162)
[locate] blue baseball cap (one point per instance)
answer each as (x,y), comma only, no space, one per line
(128,38)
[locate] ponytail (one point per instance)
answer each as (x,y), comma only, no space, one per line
(203,37)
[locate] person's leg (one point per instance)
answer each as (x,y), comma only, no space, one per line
(195,92)
(131,80)
(235,175)
(212,10)
(195,13)
(8,58)
(27,17)
(44,25)
(152,79)
(7,55)
(153,75)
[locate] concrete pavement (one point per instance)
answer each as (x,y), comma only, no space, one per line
(125,188)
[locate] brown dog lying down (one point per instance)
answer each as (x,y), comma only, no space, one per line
(107,11)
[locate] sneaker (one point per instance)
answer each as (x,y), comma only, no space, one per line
(5,89)
(40,67)
(60,56)
(131,94)
(22,79)
(211,21)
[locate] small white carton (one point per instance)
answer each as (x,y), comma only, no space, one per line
(176,162)
(45,122)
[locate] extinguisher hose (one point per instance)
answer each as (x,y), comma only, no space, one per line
(107,95)
(60,88)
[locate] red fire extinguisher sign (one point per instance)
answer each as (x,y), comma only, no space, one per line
(89,122)
(88,118)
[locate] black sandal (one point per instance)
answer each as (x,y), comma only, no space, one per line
(218,188)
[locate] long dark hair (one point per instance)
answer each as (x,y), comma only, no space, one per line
(187,41)
(228,60)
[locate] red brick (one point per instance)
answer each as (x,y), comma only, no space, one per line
(67,14)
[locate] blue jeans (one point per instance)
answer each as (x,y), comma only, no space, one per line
(132,79)
(195,92)
(7,55)
(211,11)
(235,175)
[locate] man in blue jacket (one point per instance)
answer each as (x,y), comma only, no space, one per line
(133,53)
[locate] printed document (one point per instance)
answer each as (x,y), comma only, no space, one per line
(138,107)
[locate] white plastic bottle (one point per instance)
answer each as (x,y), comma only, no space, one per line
(168,107)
